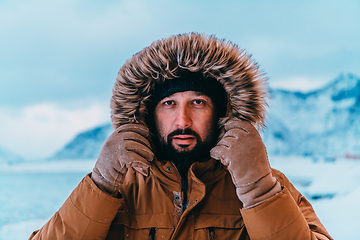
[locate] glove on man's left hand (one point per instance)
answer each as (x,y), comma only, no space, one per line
(243,152)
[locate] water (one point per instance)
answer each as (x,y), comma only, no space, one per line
(33,196)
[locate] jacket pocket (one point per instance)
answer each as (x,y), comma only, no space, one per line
(144,226)
(216,226)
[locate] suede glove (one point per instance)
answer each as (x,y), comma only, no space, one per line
(126,147)
(242,151)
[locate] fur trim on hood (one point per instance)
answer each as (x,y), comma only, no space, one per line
(168,58)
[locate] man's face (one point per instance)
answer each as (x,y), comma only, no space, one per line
(185,120)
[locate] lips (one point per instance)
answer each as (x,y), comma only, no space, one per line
(184,139)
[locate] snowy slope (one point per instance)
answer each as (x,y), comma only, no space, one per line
(8,157)
(86,145)
(325,122)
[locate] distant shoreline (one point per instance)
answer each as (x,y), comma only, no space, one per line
(51,166)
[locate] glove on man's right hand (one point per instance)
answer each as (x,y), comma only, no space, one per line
(126,147)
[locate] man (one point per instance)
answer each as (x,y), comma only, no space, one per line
(185,160)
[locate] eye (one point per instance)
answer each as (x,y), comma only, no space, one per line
(198,102)
(169,103)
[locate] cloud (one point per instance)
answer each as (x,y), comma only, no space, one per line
(39,130)
(300,83)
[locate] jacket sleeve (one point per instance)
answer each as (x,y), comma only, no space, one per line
(287,215)
(86,214)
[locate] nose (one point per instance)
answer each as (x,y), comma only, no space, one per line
(183,119)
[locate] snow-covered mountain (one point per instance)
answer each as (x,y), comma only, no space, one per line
(8,157)
(86,145)
(321,123)
(325,122)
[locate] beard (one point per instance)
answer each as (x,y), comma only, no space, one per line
(183,157)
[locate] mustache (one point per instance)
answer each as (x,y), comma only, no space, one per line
(185,131)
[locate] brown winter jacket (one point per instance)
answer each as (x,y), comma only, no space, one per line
(151,207)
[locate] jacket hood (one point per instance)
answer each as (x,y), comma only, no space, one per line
(168,58)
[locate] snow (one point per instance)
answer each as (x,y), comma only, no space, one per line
(332,187)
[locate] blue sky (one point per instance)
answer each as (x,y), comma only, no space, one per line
(59,59)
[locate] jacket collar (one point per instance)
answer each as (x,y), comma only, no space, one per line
(207,172)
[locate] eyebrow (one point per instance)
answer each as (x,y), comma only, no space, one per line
(200,94)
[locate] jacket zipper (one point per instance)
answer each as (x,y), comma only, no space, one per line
(184,191)
(152,233)
(211,233)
